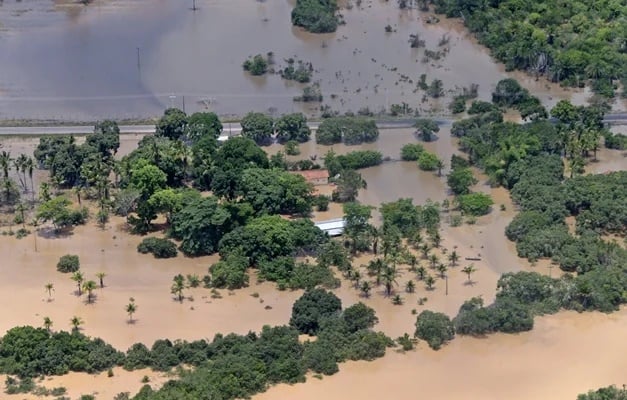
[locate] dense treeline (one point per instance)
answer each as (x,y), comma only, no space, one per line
(527,159)
(572,43)
(352,160)
(606,393)
(231,366)
(29,352)
(349,130)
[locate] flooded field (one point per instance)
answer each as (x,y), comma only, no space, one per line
(127,59)
(565,354)
(529,365)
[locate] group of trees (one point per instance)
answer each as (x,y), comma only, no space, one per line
(349,130)
(406,227)
(10,193)
(527,159)
(606,393)
(317,16)
(300,73)
(261,128)
(574,45)
(231,366)
(257,65)
(336,163)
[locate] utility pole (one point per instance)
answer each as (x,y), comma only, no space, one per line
(139,66)
(183,103)
(446,284)
(193,5)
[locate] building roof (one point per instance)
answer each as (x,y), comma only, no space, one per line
(313,174)
(334,227)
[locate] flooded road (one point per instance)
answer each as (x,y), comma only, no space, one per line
(124,59)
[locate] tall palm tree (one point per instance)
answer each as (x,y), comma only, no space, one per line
(20,167)
(130,308)
(376,267)
(44,191)
(429,281)
(433,259)
(89,287)
(416,240)
(440,165)
(5,163)
(76,323)
(9,190)
(100,276)
(389,279)
(453,258)
(375,235)
(49,288)
(422,272)
(365,288)
(77,191)
(442,270)
(29,169)
(424,249)
(21,208)
(178,286)
(47,323)
(78,278)
(468,270)
(356,278)
(436,238)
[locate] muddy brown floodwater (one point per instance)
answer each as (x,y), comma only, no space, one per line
(565,354)
(125,59)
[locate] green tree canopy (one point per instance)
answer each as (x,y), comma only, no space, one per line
(434,328)
(203,124)
(172,124)
(311,308)
(292,127)
(258,127)
(200,225)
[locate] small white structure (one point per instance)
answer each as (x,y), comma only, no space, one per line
(334,227)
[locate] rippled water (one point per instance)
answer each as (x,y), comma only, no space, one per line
(66,61)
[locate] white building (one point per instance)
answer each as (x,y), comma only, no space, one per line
(334,227)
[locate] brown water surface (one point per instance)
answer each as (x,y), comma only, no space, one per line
(124,59)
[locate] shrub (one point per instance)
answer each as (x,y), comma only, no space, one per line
(428,161)
(68,263)
(475,203)
(458,105)
(434,328)
(321,202)
(256,65)
(160,248)
(230,273)
(412,152)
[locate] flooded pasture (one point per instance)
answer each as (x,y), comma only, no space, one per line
(527,365)
(123,59)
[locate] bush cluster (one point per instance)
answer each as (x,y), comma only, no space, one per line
(68,263)
(160,248)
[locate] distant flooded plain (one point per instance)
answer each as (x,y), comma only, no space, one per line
(127,59)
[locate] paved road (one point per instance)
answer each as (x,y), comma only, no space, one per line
(230,128)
